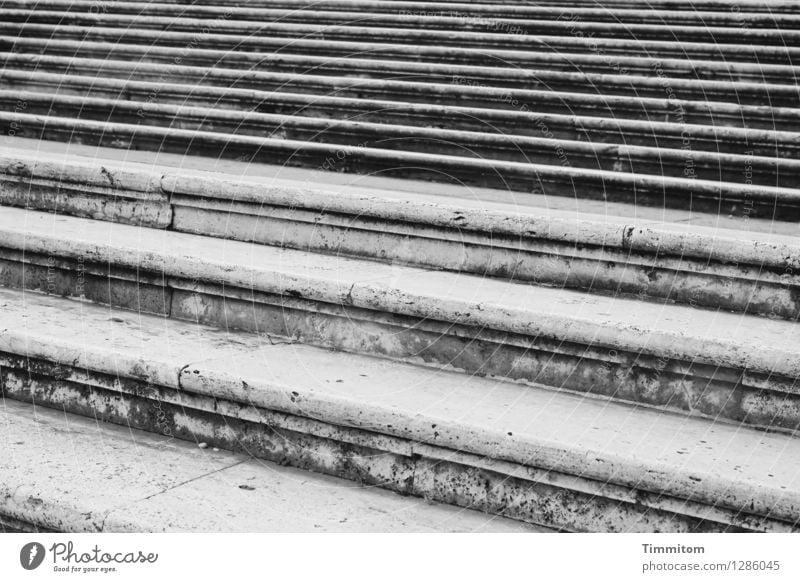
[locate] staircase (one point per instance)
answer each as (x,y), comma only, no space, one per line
(495,266)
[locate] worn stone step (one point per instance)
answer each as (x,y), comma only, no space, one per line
(59,467)
(456,93)
(262,11)
(749,270)
(692,137)
(752,200)
(452,42)
(771,6)
(729,32)
(703,362)
(726,69)
(784,94)
(686,162)
(555,459)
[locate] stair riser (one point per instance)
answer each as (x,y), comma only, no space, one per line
(764,171)
(435,473)
(108,204)
(367,161)
(456,92)
(731,34)
(746,93)
(492,121)
(364,47)
(715,391)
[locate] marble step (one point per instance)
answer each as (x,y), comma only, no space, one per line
(782,92)
(765,15)
(742,169)
(725,68)
(457,92)
(524,452)
(553,179)
(741,265)
(701,362)
(783,32)
(505,6)
(37,86)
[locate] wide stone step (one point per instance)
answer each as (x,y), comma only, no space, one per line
(412,11)
(683,162)
(458,92)
(781,33)
(725,68)
(501,6)
(59,467)
(747,92)
(554,459)
(716,364)
(749,269)
(39,87)
(751,200)
(450,42)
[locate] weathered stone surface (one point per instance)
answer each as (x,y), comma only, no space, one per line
(711,464)
(743,270)
(726,339)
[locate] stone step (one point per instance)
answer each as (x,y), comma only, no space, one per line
(724,68)
(783,32)
(501,6)
(634,13)
(745,92)
(37,90)
(492,44)
(59,467)
(457,93)
(525,452)
(750,269)
(701,362)
(744,169)
(751,200)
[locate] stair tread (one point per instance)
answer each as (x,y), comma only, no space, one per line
(59,468)
(608,441)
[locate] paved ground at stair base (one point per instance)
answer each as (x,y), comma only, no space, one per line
(69,473)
